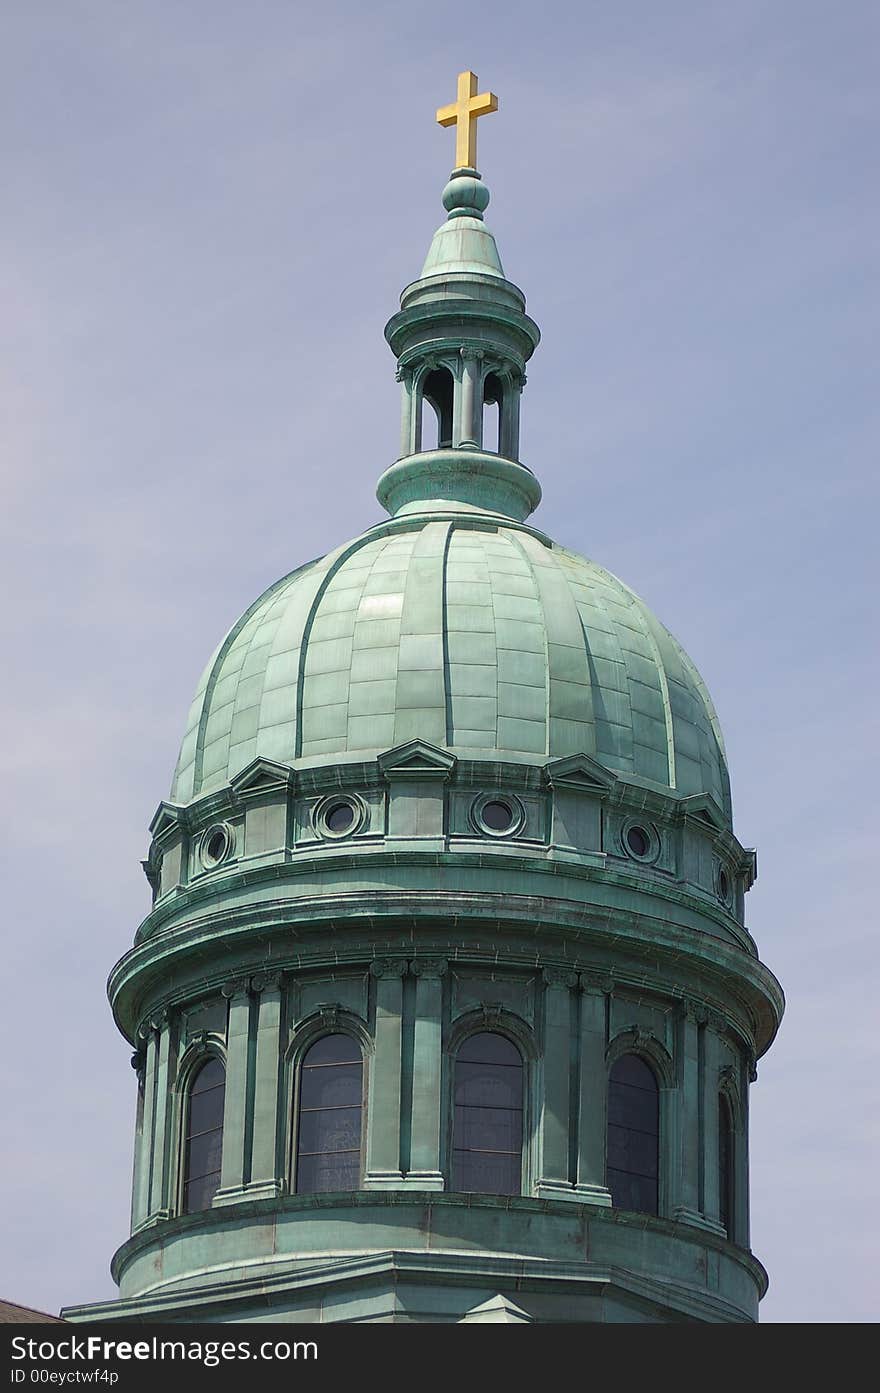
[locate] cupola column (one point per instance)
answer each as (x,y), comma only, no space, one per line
(508,441)
(408,435)
(469,421)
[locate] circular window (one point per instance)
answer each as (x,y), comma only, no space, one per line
(723,883)
(637,841)
(216,845)
(640,841)
(497,816)
(337,816)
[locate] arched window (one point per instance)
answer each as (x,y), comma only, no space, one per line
(633,1135)
(438,390)
(488,1128)
(328,1154)
(725,1165)
(203,1138)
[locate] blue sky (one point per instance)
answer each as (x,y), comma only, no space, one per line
(210,210)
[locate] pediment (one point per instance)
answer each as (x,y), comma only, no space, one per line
(167,818)
(499,1310)
(579,771)
(416,759)
(705,808)
(261,776)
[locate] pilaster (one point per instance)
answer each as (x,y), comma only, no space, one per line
(159,1202)
(232,1162)
(144,1133)
(264,1177)
(710,1083)
(383,1115)
(590,1187)
(555,1182)
(425,1172)
(688,1176)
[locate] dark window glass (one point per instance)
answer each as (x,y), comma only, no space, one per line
(637,840)
(632,1156)
(725,1166)
(723,885)
(488,1124)
(203,1139)
(340,817)
(330,1105)
(216,845)
(497,815)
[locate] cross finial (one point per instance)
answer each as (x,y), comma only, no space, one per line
(463,113)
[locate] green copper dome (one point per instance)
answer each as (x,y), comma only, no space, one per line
(452,809)
(453,622)
(462,632)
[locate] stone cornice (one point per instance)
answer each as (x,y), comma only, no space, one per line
(653,952)
(507,858)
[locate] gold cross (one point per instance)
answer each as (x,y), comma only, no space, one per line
(463,113)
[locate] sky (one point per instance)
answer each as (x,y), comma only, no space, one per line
(209,212)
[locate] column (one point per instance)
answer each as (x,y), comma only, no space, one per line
(554,1182)
(427,1065)
(508,443)
(144,1134)
(159,1169)
(710,1081)
(687,1161)
(235,1108)
(407,434)
(742,1224)
(383,1105)
(593,1091)
(264,1177)
(467,428)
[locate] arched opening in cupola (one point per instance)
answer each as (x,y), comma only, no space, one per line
(493,404)
(438,391)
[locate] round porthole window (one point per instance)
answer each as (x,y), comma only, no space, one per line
(216,845)
(722,882)
(637,841)
(336,816)
(640,841)
(339,818)
(498,815)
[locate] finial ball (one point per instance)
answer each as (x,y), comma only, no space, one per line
(465,195)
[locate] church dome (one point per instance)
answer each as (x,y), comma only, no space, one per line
(446,983)
(466,630)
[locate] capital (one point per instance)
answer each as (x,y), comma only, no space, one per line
(559,977)
(236,986)
(388,967)
(429,967)
(267,981)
